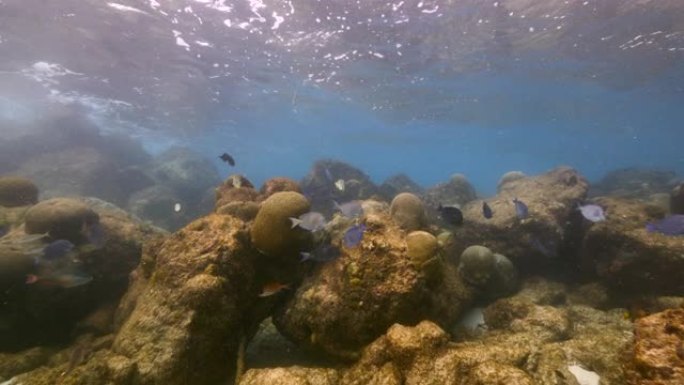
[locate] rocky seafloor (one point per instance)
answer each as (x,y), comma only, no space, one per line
(550,298)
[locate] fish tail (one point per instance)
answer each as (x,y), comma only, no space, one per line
(295,222)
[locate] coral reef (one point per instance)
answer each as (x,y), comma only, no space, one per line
(677,199)
(272,232)
(398,184)
(634,183)
(457,191)
(408,211)
(509,177)
(61,218)
(17,191)
(627,257)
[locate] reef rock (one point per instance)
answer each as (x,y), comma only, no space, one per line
(185,172)
(457,191)
(319,185)
(509,177)
(272,232)
(629,258)
(398,184)
(294,375)
(524,343)
(677,199)
(43,313)
(551,230)
(634,183)
(353,299)
(278,184)
(189,317)
(659,349)
(17,191)
(408,211)
(61,218)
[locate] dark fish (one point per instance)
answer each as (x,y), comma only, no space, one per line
(672,225)
(227,158)
(486,210)
(57,249)
(521,210)
(354,235)
(323,253)
(451,214)
(4,229)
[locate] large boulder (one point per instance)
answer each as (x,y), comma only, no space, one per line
(190,316)
(348,302)
(43,313)
(319,185)
(17,191)
(457,191)
(627,257)
(551,231)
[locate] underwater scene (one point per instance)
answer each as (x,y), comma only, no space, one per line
(342,192)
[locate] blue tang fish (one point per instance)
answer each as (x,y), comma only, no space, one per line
(354,235)
(521,210)
(672,225)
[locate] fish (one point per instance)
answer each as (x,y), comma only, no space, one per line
(451,214)
(487,211)
(57,249)
(272,288)
(60,279)
(593,213)
(4,229)
(177,208)
(323,253)
(352,209)
(227,158)
(354,235)
(339,184)
(671,225)
(521,210)
(312,221)
(327,173)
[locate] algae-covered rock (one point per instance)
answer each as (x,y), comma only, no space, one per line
(457,191)
(17,191)
(294,375)
(627,257)
(420,247)
(188,319)
(398,184)
(504,279)
(277,184)
(352,300)
(236,188)
(493,373)
(476,265)
(657,355)
(272,232)
(677,199)
(509,177)
(634,183)
(551,232)
(408,212)
(62,218)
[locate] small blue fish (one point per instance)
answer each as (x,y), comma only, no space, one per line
(351,209)
(57,249)
(323,253)
(672,225)
(521,210)
(354,235)
(311,221)
(593,213)
(487,211)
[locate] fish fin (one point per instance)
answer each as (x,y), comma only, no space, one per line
(305,256)
(295,222)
